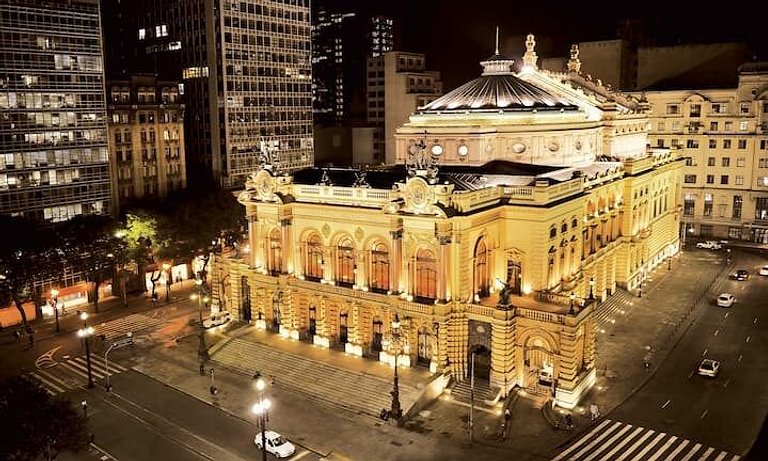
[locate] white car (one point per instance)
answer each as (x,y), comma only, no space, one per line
(217,319)
(709,245)
(764,270)
(709,367)
(725,300)
(276,444)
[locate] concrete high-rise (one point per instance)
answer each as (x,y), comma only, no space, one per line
(53,130)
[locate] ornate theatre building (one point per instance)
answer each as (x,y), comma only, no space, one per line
(520,200)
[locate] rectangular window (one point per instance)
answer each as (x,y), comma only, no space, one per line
(713,144)
(673,109)
(662,126)
(726,143)
(710,179)
(692,144)
(690,179)
(761,208)
(734,233)
(726,161)
(742,143)
(711,161)
(736,207)
(718,108)
(724,179)
(739,180)
(142,34)
(689,204)
(706,230)
(743,126)
(675,126)
(712,126)
(728,126)
(708,203)
(762,162)
(764,144)
(695,110)
(744,108)
(689,161)
(740,161)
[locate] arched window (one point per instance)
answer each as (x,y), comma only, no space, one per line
(552,232)
(345,262)
(379,268)
(275,256)
(426,276)
(313,266)
(482,276)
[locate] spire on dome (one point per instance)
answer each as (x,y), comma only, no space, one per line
(497,64)
(530,58)
(574,64)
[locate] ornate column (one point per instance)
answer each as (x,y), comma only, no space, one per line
(445,266)
(253,238)
(396,264)
(285,227)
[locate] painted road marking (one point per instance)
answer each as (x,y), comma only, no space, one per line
(704,414)
(666,403)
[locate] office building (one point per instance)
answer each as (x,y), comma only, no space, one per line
(54,161)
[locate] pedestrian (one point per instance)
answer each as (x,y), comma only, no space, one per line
(507,416)
(594,412)
(17,335)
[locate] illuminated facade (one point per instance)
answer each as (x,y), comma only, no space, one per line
(54,163)
(723,134)
(518,201)
(147,131)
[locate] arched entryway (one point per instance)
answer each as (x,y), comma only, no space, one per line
(479,362)
(539,364)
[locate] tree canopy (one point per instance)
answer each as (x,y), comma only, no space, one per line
(36,424)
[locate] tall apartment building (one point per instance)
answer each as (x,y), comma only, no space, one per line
(398,85)
(54,163)
(147,132)
(724,135)
(342,41)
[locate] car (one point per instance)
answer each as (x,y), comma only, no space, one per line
(764,270)
(709,245)
(276,444)
(217,319)
(725,300)
(741,274)
(709,367)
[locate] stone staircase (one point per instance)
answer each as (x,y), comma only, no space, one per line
(353,390)
(618,305)
(484,393)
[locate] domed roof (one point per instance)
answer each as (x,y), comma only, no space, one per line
(498,88)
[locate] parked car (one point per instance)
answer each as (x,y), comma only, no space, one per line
(764,270)
(276,444)
(725,300)
(709,367)
(709,245)
(741,274)
(217,319)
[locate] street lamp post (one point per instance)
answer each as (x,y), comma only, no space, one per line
(396,411)
(202,349)
(572,297)
(86,332)
(260,409)
(591,288)
(55,302)
(108,384)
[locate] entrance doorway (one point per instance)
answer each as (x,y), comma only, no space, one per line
(482,363)
(245,296)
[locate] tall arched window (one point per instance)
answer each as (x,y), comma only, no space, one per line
(482,275)
(426,276)
(275,256)
(379,268)
(313,263)
(345,262)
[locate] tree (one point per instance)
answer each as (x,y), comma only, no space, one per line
(30,256)
(36,424)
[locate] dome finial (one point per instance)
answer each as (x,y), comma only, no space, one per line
(530,58)
(497,40)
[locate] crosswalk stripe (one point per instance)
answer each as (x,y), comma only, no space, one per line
(649,447)
(621,444)
(636,445)
(677,450)
(81,370)
(609,443)
(663,448)
(47,384)
(736,458)
(582,440)
(605,434)
(690,454)
(721,456)
(706,454)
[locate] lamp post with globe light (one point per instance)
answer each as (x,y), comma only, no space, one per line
(395,346)
(571,297)
(202,349)
(591,288)
(86,332)
(260,409)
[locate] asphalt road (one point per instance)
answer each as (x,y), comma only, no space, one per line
(726,412)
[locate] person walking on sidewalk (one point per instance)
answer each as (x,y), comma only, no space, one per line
(594,412)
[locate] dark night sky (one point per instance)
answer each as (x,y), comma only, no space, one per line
(456,35)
